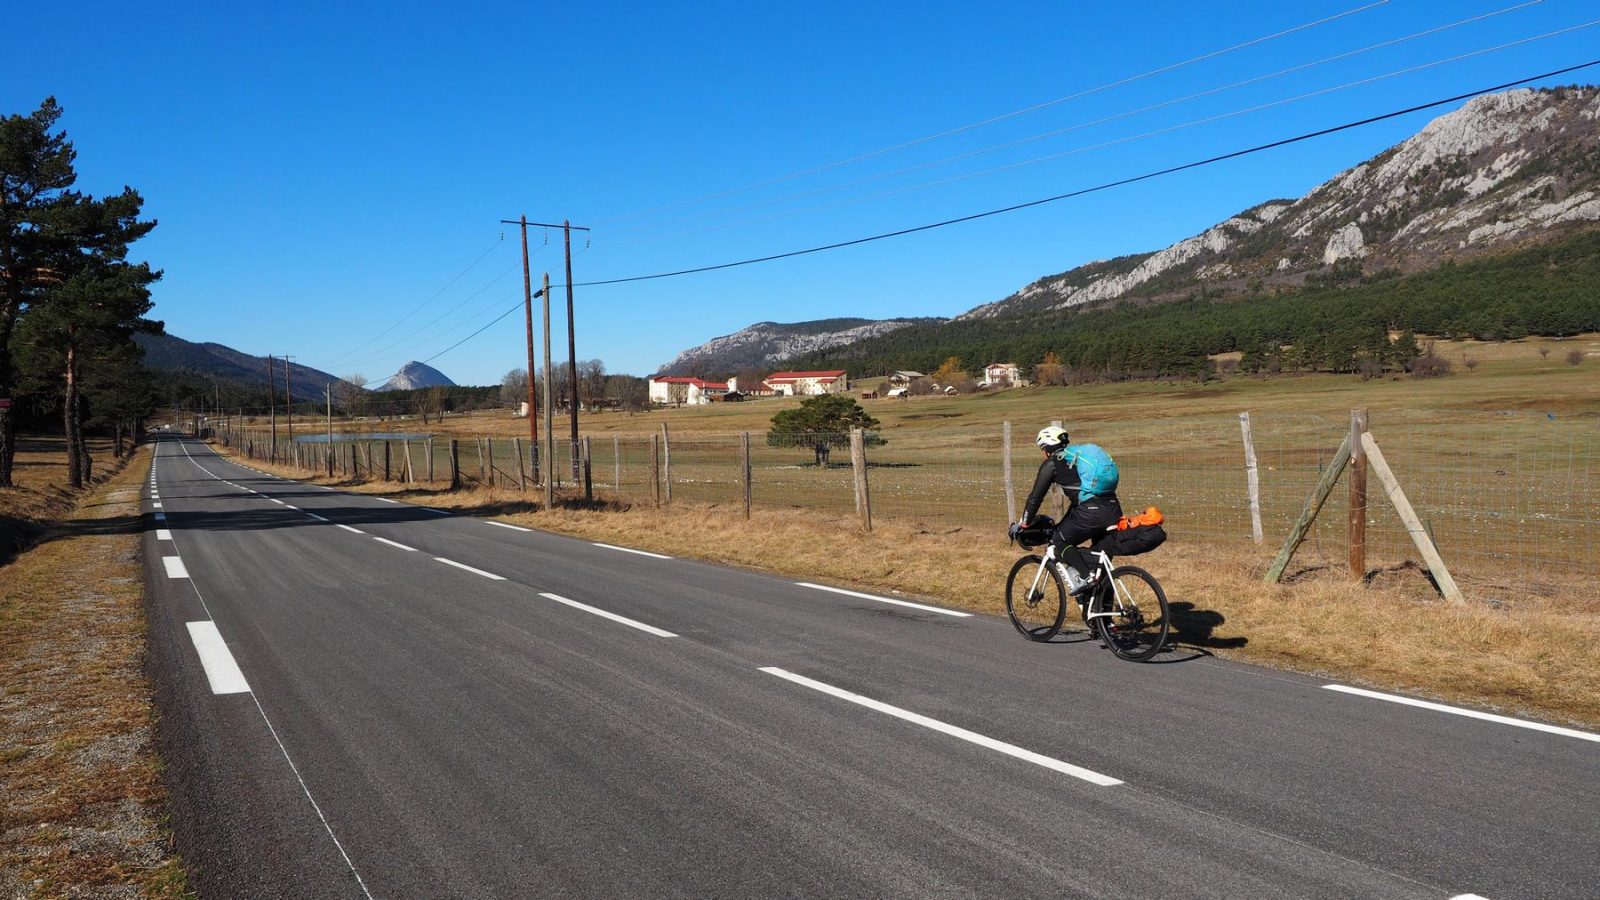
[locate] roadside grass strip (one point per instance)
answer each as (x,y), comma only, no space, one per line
(631,550)
(221,670)
(507,525)
(1470,713)
(1012,750)
(175,567)
(631,623)
(467,568)
(922,606)
(394,544)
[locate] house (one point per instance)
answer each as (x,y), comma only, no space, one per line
(903,379)
(1001,374)
(898,393)
(681,390)
(806,384)
(749,390)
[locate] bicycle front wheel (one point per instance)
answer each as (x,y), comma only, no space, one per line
(1139,622)
(1035,612)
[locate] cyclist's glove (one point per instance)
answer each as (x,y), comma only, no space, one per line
(1016,529)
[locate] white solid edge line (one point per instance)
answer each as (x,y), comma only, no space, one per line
(221,670)
(505,525)
(276,500)
(439,512)
(394,544)
(1037,759)
(317,517)
(175,567)
(451,562)
(385,500)
(921,606)
(1468,897)
(631,550)
(352,530)
(609,615)
(291,506)
(1470,713)
(163,534)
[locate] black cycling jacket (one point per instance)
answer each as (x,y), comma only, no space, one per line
(1053,470)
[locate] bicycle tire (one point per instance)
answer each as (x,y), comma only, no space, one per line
(1036,618)
(1140,632)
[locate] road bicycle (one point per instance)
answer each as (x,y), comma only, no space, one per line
(1124,606)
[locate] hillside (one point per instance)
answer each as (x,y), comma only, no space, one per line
(165,353)
(1504,171)
(768,344)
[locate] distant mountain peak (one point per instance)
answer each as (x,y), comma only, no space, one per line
(415,375)
(767,344)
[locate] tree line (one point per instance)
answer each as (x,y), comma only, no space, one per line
(1333,325)
(70,299)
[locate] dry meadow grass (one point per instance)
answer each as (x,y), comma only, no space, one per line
(78,770)
(1533,650)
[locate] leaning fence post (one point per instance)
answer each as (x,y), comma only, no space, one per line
(1414,526)
(455,464)
(1251,477)
(655,470)
(522,469)
(744,446)
(666,462)
(411,473)
(1357,532)
(1005,465)
(1319,495)
(858,461)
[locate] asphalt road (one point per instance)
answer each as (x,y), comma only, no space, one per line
(364,698)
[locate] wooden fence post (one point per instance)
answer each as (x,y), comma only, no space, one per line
(1005,465)
(666,461)
(858,461)
(411,472)
(1319,495)
(744,446)
(1252,479)
(387,468)
(1357,532)
(655,470)
(455,465)
(1414,526)
(588,474)
(483,471)
(430,460)
(522,469)
(616,461)
(370,467)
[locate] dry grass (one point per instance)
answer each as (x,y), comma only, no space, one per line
(80,778)
(1535,650)
(41,495)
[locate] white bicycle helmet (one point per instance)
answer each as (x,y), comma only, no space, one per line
(1050,437)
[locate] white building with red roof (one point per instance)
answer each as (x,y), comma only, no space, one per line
(685,390)
(805,384)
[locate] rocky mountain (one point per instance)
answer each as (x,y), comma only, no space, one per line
(415,375)
(1505,171)
(765,345)
(166,353)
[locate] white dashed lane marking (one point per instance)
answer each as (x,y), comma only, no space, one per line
(467,568)
(175,567)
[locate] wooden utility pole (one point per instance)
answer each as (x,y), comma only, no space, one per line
(1358,495)
(329,391)
(272,405)
(549,413)
(588,470)
(288,398)
(527,308)
(572,349)
(744,470)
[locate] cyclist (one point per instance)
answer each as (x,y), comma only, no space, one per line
(1088,477)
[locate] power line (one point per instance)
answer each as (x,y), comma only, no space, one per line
(1100,187)
(1348,54)
(1145,135)
(1171,67)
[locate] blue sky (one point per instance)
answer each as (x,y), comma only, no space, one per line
(320,171)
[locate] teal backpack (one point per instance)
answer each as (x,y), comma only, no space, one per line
(1097,471)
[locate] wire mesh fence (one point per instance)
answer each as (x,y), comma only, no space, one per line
(1512,494)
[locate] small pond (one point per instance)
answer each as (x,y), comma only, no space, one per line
(361,436)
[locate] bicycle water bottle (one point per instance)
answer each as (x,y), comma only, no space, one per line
(1075,582)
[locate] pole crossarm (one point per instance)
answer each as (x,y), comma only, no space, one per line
(544,224)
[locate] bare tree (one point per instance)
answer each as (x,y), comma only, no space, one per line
(1574,357)
(514,387)
(592,381)
(350,395)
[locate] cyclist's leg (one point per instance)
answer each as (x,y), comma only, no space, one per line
(1087,521)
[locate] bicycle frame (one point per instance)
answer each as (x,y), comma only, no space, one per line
(1102,568)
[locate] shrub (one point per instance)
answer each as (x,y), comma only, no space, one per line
(1574,356)
(1428,365)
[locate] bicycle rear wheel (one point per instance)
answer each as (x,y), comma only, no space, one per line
(1036,614)
(1138,626)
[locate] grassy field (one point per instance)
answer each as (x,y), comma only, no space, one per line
(83,801)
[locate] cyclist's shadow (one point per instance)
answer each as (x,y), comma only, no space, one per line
(1193,634)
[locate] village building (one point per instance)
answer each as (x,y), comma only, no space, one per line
(903,379)
(808,384)
(1001,374)
(679,390)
